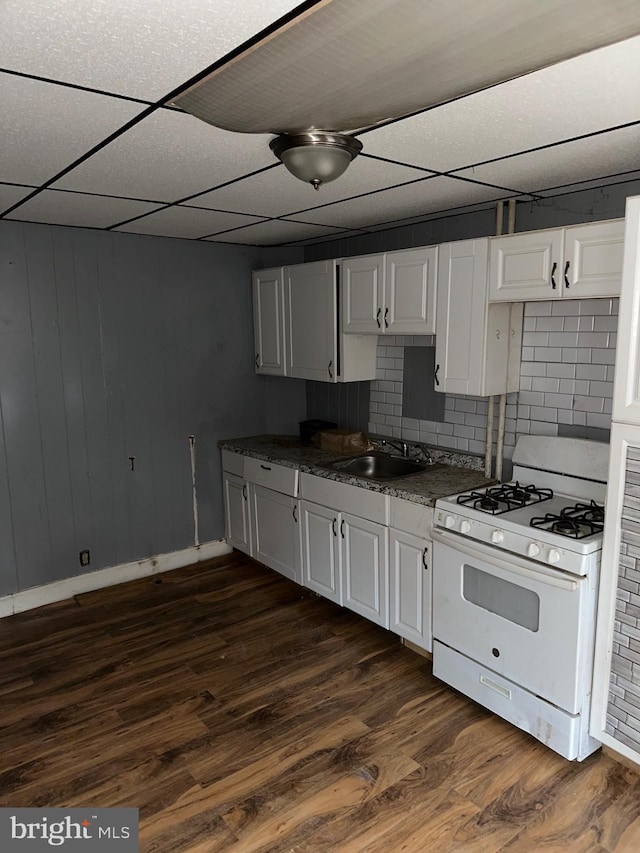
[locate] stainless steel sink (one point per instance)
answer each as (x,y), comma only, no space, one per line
(380,466)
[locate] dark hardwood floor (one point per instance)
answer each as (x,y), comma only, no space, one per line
(241,713)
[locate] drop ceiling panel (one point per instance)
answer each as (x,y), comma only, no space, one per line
(61,208)
(185,222)
(582,160)
(622,178)
(140,48)
(274,232)
(579,96)
(46,127)
(168,156)
(423,197)
(276,192)
(9,195)
(388,58)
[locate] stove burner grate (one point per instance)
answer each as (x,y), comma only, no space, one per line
(504,498)
(576,522)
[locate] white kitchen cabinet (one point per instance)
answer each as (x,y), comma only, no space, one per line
(626,391)
(392,293)
(236,505)
(274,531)
(477,343)
(364,568)
(321,566)
(579,262)
(268,321)
(298,335)
(410,583)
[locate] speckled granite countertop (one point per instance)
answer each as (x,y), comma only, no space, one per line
(459,473)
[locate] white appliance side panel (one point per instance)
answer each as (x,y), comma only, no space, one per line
(576,457)
(547,658)
(565,733)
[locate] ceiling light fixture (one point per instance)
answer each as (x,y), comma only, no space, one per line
(316,157)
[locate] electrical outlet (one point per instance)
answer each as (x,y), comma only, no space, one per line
(85,558)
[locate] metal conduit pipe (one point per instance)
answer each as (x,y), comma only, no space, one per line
(502,409)
(490,402)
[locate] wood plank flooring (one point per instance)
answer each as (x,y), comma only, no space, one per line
(241,713)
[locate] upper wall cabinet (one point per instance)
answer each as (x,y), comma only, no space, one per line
(578,262)
(268,321)
(392,293)
(296,327)
(626,391)
(477,344)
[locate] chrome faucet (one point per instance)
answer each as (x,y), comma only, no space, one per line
(402,446)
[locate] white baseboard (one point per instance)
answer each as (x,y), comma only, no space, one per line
(60,590)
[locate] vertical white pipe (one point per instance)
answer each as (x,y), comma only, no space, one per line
(499,217)
(502,410)
(511,227)
(489,442)
(192,453)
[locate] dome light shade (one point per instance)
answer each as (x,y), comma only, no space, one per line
(316,157)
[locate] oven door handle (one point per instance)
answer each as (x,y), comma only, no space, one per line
(514,564)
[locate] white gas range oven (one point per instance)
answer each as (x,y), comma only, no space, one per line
(515,580)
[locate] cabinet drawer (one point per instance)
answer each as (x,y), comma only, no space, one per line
(345,498)
(411,517)
(273,476)
(233,463)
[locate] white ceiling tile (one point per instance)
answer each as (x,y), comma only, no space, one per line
(168,156)
(10,195)
(582,160)
(185,222)
(139,48)
(582,95)
(268,233)
(276,192)
(423,197)
(622,178)
(59,208)
(46,127)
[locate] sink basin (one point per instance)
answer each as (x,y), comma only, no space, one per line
(380,466)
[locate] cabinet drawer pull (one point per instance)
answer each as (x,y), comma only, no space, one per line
(330,370)
(386,314)
(378,318)
(266,467)
(244,491)
(342,528)
(258,360)
(566,277)
(295,513)
(333,526)
(553,272)
(425,558)
(435,375)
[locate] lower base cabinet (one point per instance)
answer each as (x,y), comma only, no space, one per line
(236,507)
(321,566)
(274,531)
(410,581)
(364,568)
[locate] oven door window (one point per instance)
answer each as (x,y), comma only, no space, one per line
(506,599)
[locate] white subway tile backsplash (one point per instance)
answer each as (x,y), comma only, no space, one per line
(393,375)
(548,354)
(531,398)
(543,428)
(523,426)
(525,383)
(538,309)
(597,420)
(559,401)
(601,389)
(605,323)
(539,383)
(462,431)
(428,437)
(615,304)
(532,368)
(456,417)
(565,307)
(585,324)
(463,445)
(571,324)
(410,423)
(549,324)
(596,306)
(541,413)
(529,324)
(611,372)
(524,412)
(603,356)
(580,418)
(466,406)
(410,434)
(562,371)
(476,447)
(527,353)
(570,355)
(587,404)
(565,416)
(593,339)
(563,339)
(444,429)
(591,371)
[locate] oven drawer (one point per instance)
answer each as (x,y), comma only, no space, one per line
(566,733)
(532,624)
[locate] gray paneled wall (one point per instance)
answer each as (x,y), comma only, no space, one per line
(345,404)
(115,346)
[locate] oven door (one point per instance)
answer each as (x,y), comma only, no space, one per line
(525,621)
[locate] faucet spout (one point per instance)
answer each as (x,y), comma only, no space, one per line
(402,446)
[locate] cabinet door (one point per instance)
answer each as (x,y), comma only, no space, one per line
(268,321)
(526,266)
(410,581)
(410,292)
(310,312)
(364,568)
(274,531)
(462,317)
(362,284)
(626,389)
(593,260)
(320,550)
(236,506)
